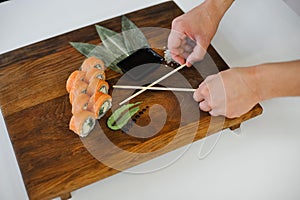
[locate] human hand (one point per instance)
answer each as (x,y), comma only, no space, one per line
(193,31)
(230,93)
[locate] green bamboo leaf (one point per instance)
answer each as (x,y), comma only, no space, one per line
(83,48)
(101,52)
(108,58)
(115,46)
(115,68)
(112,41)
(134,38)
(117,60)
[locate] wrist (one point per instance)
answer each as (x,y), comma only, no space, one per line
(255,74)
(250,76)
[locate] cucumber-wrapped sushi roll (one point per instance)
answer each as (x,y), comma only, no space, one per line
(80,103)
(92,62)
(73,78)
(78,88)
(94,73)
(101,106)
(97,85)
(82,123)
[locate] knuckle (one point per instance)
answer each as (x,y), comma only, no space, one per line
(196,96)
(213,113)
(177,22)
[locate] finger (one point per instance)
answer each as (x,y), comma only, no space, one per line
(178,59)
(183,40)
(190,42)
(217,111)
(197,55)
(201,92)
(177,51)
(175,39)
(198,96)
(188,64)
(185,55)
(204,106)
(213,113)
(188,48)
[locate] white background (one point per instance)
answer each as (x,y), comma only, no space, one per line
(263,162)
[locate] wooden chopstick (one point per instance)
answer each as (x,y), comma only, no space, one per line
(155,82)
(154,88)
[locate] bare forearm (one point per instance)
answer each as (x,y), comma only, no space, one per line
(278,79)
(218,7)
(215,10)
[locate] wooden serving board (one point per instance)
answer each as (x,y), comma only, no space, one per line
(53,160)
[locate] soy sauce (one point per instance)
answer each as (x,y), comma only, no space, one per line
(140,63)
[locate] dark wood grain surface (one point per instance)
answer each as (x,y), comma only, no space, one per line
(53,160)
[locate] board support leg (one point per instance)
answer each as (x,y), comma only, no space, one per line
(66,196)
(236,129)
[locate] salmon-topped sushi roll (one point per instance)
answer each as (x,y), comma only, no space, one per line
(101,106)
(78,88)
(94,73)
(82,123)
(80,103)
(73,78)
(97,85)
(92,62)
(95,97)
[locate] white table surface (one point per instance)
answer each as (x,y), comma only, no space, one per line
(263,162)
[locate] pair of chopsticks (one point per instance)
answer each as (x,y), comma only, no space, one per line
(154,88)
(149,87)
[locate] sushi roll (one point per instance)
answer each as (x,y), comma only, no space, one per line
(78,88)
(80,103)
(94,73)
(73,78)
(92,62)
(97,85)
(95,97)
(82,123)
(101,106)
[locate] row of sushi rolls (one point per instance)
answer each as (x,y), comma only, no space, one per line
(88,95)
